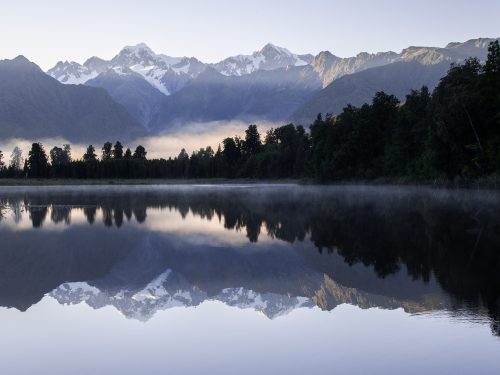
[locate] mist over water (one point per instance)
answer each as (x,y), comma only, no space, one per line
(252,267)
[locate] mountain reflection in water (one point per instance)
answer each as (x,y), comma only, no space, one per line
(272,248)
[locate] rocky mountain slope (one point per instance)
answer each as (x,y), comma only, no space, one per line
(34,106)
(274,84)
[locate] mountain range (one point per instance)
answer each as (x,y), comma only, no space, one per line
(34,105)
(142,92)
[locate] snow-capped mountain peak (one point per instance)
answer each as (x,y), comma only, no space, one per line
(165,73)
(72,73)
(273,51)
(96,64)
(171,289)
(139,49)
(138,54)
(170,74)
(269,57)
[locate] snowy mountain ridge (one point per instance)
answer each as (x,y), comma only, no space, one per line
(170,290)
(170,74)
(270,57)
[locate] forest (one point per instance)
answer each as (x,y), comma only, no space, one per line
(450,133)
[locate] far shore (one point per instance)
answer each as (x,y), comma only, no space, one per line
(86,182)
(491,182)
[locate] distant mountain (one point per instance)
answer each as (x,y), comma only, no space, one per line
(356,80)
(130,90)
(270,57)
(262,95)
(359,88)
(73,73)
(271,84)
(166,74)
(330,67)
(170,74)
(34,105)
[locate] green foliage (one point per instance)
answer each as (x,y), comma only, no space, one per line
(90,154)
(60,156)
(118,150)
(492,66)
(37,163)
(139,153)
(252,144)
(107,151)
(452,133)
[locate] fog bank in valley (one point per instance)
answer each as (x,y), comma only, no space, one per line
(191,137)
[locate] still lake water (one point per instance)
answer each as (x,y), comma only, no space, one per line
(249,279)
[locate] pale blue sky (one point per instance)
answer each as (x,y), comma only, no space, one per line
(52,30)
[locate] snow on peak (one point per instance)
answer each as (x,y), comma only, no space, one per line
(138,49)
(71,73)
(171,289)
(273,50)
(269,57)
(165,73)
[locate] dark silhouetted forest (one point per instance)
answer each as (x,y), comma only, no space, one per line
(453,132)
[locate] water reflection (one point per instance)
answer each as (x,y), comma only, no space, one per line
(270,248)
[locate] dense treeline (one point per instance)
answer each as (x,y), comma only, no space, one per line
(453,132)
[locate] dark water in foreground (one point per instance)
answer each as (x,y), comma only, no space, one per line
(249,279)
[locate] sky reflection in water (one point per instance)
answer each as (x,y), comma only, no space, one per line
(247,278)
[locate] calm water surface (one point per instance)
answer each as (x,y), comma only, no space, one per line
(249,279)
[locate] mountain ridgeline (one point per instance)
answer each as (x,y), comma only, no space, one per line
(451,133)
(274,84)
(140,93)
(34,105)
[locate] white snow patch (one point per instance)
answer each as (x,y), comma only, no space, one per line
(154,289)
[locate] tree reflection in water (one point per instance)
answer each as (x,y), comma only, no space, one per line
(452,235)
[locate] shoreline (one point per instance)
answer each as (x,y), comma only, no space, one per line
(492,182)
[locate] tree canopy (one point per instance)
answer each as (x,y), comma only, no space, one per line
(453,132)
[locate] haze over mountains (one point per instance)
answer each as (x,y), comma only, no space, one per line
(150,93)
(34,105)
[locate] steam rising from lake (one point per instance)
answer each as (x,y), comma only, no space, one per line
(191,136)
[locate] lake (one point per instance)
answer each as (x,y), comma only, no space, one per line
(249,279)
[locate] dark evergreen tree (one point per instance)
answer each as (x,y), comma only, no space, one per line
(66,153)
(182,169)
(492,66)
(37,163)
(90,154)
(252,143)
(107,151)
(453,132)
(140,153)
(231,154)
(118,150)
(56,156)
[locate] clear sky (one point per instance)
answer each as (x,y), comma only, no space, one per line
(52,30)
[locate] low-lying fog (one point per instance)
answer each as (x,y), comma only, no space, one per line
(191,137)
